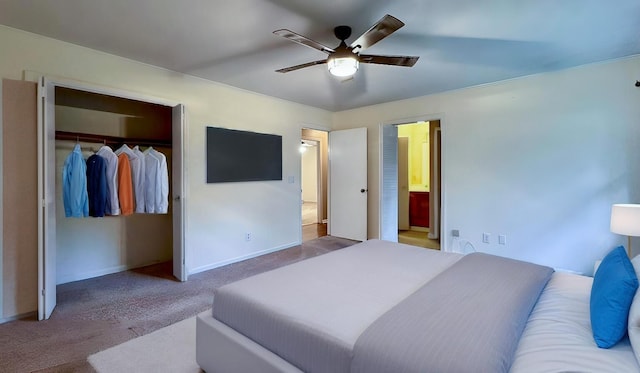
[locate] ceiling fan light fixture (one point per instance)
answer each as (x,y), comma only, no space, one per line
(343,66)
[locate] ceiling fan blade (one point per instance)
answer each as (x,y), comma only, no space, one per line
(385,27)
(301,66)
(406,61)
(303,40)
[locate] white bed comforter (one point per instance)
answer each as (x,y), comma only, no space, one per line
(312,312)
(558,336)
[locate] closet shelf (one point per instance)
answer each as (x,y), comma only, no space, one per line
(110,140)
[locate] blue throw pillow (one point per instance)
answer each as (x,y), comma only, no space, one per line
(614,286)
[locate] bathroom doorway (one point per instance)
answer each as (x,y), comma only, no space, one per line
(418,182)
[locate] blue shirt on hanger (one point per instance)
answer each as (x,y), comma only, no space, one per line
(74,185)
(97,185)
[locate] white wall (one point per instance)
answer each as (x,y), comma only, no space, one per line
(539,159)
(218,215)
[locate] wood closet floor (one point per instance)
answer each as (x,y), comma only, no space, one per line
(311,231)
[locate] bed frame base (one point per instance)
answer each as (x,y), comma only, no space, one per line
(220,349)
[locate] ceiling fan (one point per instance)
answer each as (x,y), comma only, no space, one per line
(343,61)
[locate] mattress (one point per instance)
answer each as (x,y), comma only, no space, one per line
(558,335)
(308,316)
(312,312)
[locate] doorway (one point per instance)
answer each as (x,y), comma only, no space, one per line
(411,183)
(313,182)
(309,181)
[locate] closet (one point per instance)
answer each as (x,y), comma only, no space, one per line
(73,249)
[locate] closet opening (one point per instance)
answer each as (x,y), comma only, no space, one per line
(148,232)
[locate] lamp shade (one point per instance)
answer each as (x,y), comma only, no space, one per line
(625,219)
(342,66)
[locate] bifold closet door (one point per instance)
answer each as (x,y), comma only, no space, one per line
(435,179)
(47,198)
(179,268)
(390,201)
(19,250)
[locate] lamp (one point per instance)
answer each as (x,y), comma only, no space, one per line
(625,219)
(343,64)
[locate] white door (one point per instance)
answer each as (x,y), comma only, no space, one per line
(46,199)
(435,179)
(403,183)
(389,187)
(179,270)
(348,184)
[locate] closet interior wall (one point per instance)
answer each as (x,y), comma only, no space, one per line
(90,247)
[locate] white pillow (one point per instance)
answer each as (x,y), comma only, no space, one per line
(633,327)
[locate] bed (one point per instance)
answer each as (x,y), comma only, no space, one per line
(379,306)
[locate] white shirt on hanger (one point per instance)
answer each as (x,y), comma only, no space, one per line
(157,182)
(163,201)
(111,159)
(137,176)
(140,186)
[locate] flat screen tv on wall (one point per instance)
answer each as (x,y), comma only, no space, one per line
(234,155)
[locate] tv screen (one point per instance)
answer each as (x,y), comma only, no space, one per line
(234,155)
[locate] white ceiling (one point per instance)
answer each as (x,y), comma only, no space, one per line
(460,43)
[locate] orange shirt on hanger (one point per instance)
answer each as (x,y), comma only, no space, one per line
(125,185)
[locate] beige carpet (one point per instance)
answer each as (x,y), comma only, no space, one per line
(170,349)
(95,314)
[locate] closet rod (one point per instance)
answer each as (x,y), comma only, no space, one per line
(110,140)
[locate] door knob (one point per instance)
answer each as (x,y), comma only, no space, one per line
(362,190)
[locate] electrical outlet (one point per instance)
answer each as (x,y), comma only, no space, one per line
(485,237)
(247,236)
(502,239)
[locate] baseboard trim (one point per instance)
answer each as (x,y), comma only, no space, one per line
(241,258)
(102,272)
(26,315)
(418,229)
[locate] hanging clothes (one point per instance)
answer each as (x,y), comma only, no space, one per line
(125,186)
(111,159)
(162,203)
(74,185)
(139,180)
(156,182)
(97,185)
(137,176)
(152,170)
